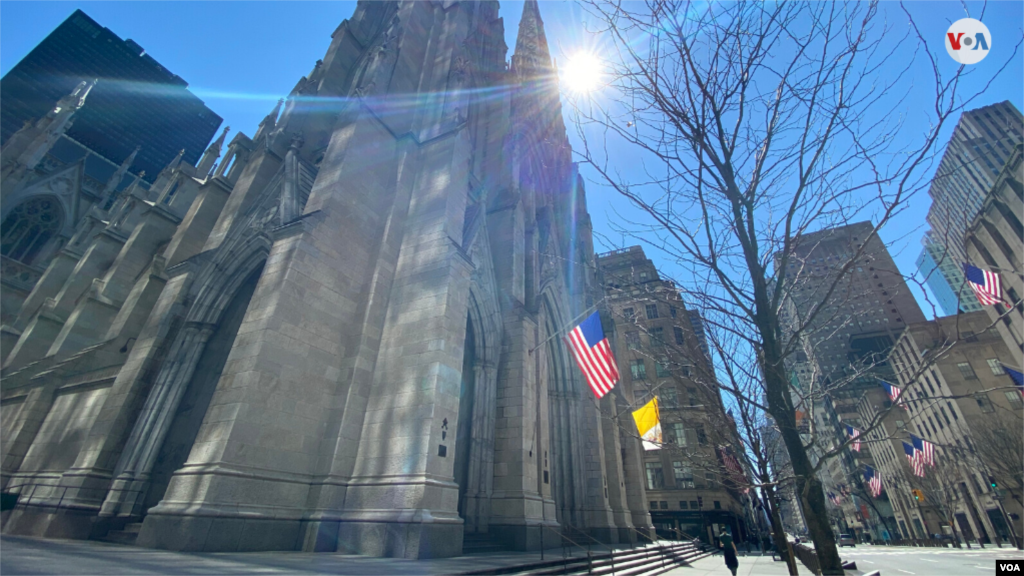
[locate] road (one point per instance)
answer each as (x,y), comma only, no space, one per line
(901,561)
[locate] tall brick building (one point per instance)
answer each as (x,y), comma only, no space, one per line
(345,337)
(662,352)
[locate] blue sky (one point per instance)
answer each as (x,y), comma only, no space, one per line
(240,57)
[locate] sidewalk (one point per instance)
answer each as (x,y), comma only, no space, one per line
(749,566)
(23,555)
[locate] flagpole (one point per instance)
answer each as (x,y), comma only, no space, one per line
(570,323)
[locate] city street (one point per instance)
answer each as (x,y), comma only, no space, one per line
(898,561)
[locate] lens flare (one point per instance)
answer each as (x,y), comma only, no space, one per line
(582,73)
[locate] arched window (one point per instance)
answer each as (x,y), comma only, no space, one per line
(29,228)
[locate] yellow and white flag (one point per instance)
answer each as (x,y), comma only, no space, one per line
(648,424)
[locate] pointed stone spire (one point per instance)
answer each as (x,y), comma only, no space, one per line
(270,122)
(110,190)
(127,193)
(531,54)
(209,158)
(46,132)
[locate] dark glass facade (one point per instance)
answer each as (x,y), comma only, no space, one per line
(136,102)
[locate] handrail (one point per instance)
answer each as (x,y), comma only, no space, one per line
(596,541)
(565,556)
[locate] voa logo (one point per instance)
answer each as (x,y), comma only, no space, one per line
(1004,567)
(968,41)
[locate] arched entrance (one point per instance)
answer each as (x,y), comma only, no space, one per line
(191,410)
(464,426)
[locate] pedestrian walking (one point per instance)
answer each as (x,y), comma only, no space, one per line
(729,551)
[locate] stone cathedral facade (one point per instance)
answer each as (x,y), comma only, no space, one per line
(346,335)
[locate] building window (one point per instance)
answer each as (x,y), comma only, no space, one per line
(655,479)
(718,505)
(899,424)
(662,370)
(638,369)
(984,403)
(28,228)
(952,411)
(678,434)
(678,332)
(996,366)
(643,276)
(633,340)
(682,504)
(658,336)
(687,371)
(692,392)
(664,505)
(652,311)
(702,438)
(672,311)
(694,505)
(1015,398)
(966,371)
(668,396)
(710,479)
(683,475)
(628,313)
(653,504)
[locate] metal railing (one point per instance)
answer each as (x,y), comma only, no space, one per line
(565,551)
(47,500)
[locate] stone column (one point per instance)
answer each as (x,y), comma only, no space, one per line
(521,504)
(614,469)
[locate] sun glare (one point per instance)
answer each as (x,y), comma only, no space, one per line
(582,73)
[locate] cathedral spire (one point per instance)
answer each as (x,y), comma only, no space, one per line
(270,122)
(531,54)
(211,155)
(110,190)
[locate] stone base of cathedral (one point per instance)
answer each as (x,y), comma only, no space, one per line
(49,522)
(414,540)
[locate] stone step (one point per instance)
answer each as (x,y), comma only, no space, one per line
(121,537)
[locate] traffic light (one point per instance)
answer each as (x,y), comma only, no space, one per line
(918,495)
(700,502)
(992,482)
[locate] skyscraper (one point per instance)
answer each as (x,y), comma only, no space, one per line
(137,102)
(982,142)
(945,277)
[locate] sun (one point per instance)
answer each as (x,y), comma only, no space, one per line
(582,73)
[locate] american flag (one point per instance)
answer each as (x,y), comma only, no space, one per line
(893,393)
(853,433)
(915,463)
(594,355)
(925,450)
(1017,377)
(832,499)
(985,285)
(874,481)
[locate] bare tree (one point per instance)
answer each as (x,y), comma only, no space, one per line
(756,124)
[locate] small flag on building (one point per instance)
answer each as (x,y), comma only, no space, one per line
(916,464)
(832,499)
(985,285)
(874,481)
(855,434)
(1017,377)
(925,450)
(649,425)
(893,392)
(594,355)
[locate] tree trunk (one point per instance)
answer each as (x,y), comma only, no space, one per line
(808,487)
(778,532)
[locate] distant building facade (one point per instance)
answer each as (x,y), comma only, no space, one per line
(137,102)
(692,486)
(982,143)
(945,278)
(995,241)
(844,351)
(964,402)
